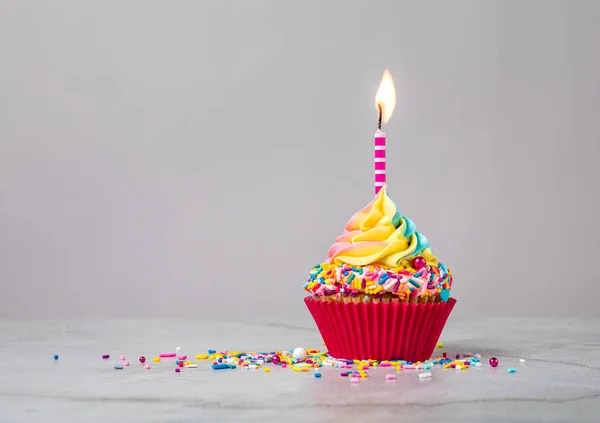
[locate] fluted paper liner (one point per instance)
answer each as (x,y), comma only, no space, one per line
(392,331)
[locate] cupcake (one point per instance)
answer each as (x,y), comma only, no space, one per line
(381,294)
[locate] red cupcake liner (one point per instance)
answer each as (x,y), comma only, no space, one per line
(382,331)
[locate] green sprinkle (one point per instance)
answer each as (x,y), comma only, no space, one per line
(414,283)
(350,278)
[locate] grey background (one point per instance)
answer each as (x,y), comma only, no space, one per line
(193,158)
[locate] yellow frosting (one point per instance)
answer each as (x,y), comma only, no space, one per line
(380,234)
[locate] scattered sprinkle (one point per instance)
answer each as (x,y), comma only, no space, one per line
(440,345)
(177,370)
(425,375)
(511,370)
(156,359)
(317,375)
(118,366)
(56,356)
(299,353)
(142,359)
(390,377)
(522,360)
(105,356)
(494,362)
(354,380)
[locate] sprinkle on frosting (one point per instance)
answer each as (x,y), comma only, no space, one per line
(380,257)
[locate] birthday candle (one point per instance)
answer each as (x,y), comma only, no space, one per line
(380,176)
(385,101)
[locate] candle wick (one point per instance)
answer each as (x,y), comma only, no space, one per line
(379,124)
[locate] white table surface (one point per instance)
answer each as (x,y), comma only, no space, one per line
(560,381)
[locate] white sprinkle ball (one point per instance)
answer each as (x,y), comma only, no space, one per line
(299,353)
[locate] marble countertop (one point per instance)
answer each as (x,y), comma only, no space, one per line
(559,382)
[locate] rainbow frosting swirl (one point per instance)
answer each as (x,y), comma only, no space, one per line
(382,255)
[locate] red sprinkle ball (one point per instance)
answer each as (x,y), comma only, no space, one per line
(419,263)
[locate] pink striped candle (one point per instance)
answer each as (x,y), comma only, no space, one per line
(380,175)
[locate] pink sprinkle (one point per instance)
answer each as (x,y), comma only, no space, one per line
(126,364)
(385,365)
(167,355)
(182,357)
(408,367)
(354,380)
(390,377)
(147,367)
(283,365)
(122,357)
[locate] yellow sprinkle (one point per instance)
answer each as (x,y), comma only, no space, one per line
(355,361)
(440,345)
(156,359)
(267,370)
(374,364)
(398,368)
(362,374)
(201,356)
(447,366)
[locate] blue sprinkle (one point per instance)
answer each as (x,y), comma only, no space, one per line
(346,273)
(445,294)
(418,274)
(512,370)
(212,351)
(317,375)
(220,366)
(305,285)
(56,356)
(118,366)
(383,278)
(322,281)
(427,367)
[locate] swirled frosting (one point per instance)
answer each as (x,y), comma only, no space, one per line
(379,233)
(380,257)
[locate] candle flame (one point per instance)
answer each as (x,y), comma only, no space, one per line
(386,96)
